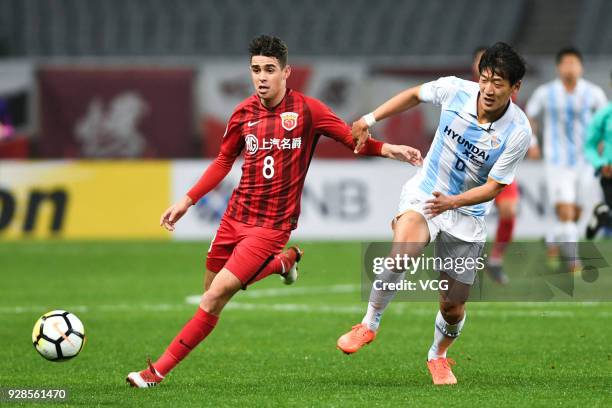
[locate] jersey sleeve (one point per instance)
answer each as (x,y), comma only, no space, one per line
(504,169)
(231,146)
(232,142)
(595,134)
(440,91)
(327,123)
(535,104)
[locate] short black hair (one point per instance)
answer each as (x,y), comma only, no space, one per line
(568,51)
(269,46)
(504,61)
(478,50)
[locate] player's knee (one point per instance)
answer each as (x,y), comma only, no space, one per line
(507,210)
(566,212)
(213,301)
(411,227)
(410,249)
(452,312)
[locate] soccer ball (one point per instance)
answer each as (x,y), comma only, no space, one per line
(58,335)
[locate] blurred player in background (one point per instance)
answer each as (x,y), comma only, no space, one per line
(506,203)
(480,140)
(565,107)
(598,151)
(6,124)
(278,129)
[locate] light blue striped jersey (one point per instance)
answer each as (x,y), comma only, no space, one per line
(464,153)
(566,116)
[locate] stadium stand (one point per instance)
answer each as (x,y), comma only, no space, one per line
(209,27)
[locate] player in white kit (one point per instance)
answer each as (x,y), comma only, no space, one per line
(480,140)
(564,108)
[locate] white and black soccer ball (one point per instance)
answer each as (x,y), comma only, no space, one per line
(58,335)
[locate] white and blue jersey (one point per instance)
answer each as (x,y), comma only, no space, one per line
(566,116)
(465,153)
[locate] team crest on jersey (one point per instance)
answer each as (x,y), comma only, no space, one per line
(289,120)
(494,141)
(252,145)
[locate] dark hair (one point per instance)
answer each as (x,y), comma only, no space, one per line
(504,61)
(269,46)
(568,51)
(478,50)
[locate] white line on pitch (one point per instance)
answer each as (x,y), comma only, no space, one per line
(288,292)
(400,308)
(304,290)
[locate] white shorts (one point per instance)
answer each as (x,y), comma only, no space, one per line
(465,227)
(569,184)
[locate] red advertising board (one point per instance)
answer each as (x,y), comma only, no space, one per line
(116,113)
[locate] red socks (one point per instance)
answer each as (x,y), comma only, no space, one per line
(503,237)
(189,337)
(203,323)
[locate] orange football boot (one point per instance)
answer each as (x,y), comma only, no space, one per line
(359,336)
(441,372)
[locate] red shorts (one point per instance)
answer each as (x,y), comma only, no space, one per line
(510,192)
(243,249)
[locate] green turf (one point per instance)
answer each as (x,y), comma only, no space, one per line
(131,298)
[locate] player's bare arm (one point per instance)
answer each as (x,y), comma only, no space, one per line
(402,153)
(473,196)
(329,124)
(175,212)
(534,152)
(399,103)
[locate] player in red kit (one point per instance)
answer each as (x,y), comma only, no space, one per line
(277,130)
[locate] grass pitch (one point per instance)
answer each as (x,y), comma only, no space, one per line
(275,345)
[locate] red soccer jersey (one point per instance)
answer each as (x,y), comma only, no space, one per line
(278,146)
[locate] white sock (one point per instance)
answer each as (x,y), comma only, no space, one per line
(444,335)
(379,299)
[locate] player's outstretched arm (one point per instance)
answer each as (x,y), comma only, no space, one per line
(328,123)
(473,196)
(399,103)
(174,213)
(402,153)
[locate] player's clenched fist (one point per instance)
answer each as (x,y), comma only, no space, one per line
(174,213)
